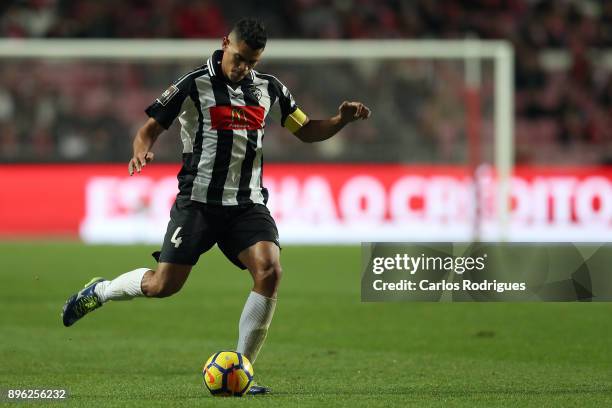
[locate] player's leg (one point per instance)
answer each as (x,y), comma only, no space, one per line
(186,238)
(164,281)
(250,241)
(263,262)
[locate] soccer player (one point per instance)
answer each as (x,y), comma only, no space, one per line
(221,106)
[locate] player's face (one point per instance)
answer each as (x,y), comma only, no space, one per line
(238,58)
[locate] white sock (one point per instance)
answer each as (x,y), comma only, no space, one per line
(254,322)
(123,287)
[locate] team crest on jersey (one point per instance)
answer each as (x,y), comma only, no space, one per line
(237,117)
(254,91)
(168,94)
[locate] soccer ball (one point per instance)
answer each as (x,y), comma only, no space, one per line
(228,373)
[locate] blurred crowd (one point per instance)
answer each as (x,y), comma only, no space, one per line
(59,111)
(536,23)
(90,111)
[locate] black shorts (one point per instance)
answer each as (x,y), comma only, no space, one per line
(195,227)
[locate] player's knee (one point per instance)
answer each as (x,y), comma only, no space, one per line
(268,274)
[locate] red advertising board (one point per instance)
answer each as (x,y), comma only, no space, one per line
(317,203)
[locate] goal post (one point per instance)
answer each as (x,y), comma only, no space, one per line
(470,51)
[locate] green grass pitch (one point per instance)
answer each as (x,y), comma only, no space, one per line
(325,348)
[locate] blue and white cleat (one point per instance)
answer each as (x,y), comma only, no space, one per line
(81,303)
(257,389)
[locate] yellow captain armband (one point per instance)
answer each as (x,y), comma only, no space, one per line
(296,120)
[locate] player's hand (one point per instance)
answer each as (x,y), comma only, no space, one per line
(139,161)
(351,111)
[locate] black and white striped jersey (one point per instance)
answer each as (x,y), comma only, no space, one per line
(222,130)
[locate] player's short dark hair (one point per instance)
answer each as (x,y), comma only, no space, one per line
(252,32)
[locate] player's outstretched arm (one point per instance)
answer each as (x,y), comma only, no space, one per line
(318,130)
(143,142)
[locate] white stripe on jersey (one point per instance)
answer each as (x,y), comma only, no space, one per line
(262,84)
(188,118)
(189,124)
(209,141)
(255,183)
(230,189)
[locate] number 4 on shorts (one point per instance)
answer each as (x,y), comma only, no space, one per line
(176,240)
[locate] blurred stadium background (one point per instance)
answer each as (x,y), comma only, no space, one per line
(421,169)
(424,168)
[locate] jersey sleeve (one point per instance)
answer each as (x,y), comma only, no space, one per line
(284,108)
(169,104)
